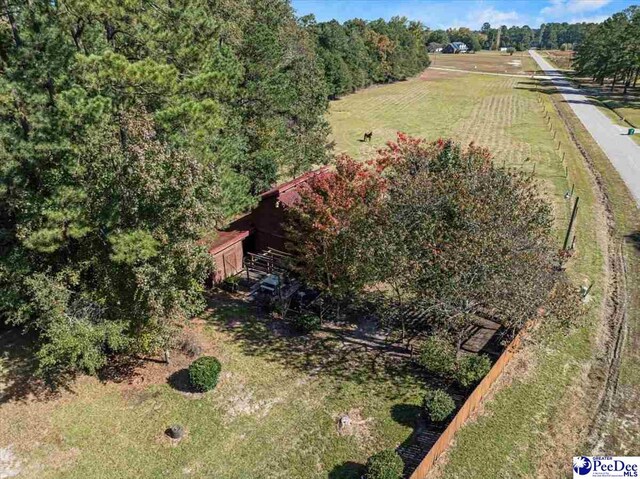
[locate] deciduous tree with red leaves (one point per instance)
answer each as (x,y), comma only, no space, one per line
(434,228)
(324,227)
(458,237)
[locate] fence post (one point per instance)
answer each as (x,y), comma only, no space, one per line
(573,217)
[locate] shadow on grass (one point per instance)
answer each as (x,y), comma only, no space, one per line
(120,369)
(346,352)
(357,353)
(179,381)
(18,381)
(634,239)
(347,470)
(406,414)
(593,96)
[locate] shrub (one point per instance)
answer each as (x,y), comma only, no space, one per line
(438,404)
(307,323)
(438,356)
(511,50)
(231,284)
(471,369)
(189,344)
(386,464)
(204,372)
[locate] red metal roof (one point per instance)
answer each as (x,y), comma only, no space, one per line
(224,239)
(289,197)
(285,187)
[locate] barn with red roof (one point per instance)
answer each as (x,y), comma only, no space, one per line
(259,230)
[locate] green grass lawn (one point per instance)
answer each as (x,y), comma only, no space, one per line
(273,414)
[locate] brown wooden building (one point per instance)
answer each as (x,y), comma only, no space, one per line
(257,231)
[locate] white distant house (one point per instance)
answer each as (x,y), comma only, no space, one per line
(503,49)
(456,47)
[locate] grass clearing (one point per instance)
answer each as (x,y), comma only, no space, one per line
(506,115)
(520,63)
(272,415)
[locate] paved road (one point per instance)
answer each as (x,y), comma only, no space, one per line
(622,151)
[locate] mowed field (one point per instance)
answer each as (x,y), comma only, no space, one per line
(520,63)
(534,426)
(502,113)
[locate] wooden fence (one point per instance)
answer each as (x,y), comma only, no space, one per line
(470,405)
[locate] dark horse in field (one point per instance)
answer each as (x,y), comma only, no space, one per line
(367,136)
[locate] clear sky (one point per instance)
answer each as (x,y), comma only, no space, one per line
(465,13)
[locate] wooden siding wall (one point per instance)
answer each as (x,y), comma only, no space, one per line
(268,220)
(470,405)
(228,262)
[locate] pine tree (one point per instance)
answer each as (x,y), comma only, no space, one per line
(129,132)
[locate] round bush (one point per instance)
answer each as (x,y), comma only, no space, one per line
(307,323)
(438,405)
(438,356)
(471,369)
(204,372)
(385,464)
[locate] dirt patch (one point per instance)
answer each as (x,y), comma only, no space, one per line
(10,465)
(357,426)
(239,400)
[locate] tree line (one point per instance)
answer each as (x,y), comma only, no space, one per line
(549,36)
(357,53)
(611,49)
